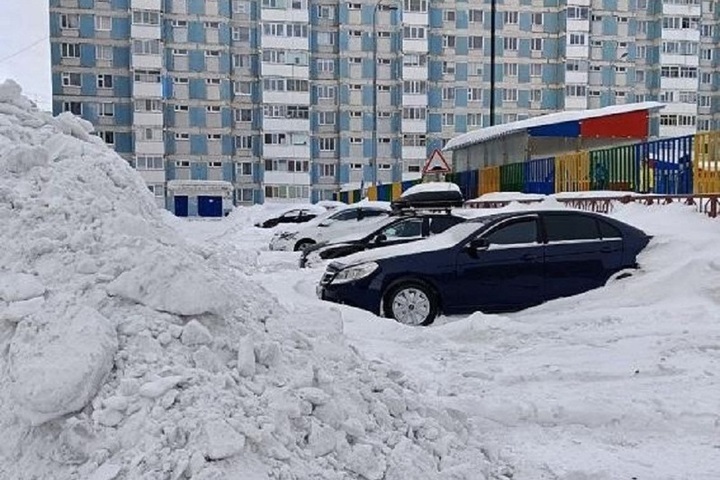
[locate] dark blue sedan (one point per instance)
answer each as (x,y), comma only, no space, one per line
(499,263)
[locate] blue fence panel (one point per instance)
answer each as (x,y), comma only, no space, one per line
(665,165)
(540,176)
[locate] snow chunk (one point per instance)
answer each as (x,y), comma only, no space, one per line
(222,440)
(16,311)
(159,387)
(15,287)
(169,284)
(246,357)
(57,366)
(195,333)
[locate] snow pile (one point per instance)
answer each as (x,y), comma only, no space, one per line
(127,354)
(430,187)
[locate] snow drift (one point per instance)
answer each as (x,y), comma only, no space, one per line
(127,354)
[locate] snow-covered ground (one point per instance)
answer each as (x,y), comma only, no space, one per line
(135,345)
(618,383)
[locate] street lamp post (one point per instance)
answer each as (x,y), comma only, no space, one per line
(374,159)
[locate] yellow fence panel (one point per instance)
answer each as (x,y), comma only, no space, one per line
(572,172)
(372,193)
(396,190)
(489,180)
(706,164)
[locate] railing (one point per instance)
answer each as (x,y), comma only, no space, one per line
(708,204)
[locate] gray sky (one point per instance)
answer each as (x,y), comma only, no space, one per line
(22,24)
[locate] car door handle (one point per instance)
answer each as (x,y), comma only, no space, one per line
(528,257)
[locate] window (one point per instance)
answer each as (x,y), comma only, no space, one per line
(706,78)
(475,42)
(561,228)
(535,95)
(70,50)
(576,90)
(298,30)
(244,142)
(536,69)
(181,108)
(146,47)
(356,140)
(414,87)
(245,169)
(326,38)
(104,81)
(73,107)
(180,52)
(298,166)
(108,137)
(241,34)
(511,18)
(410,228)
(69,21)
(414,33)
(536,44)
(71,79)
(214,136)
(244,115)
(510,69)
(415,113)
(449,15)
(474,120)
(147,76)
(448,119)
(640,75)
(182,136)
(474,94)
(688,97)
(448,93)
(608,231)
(414,60)
(243,88)
(104,52)
(704,101)
(578,39)
(182,164)
(179,23)
(143,17)
(103,23)
(327,144)
(148,162)
(356,166)
(106,109)
(212,53)
(577,13)
(415,5)
(448,41)
(326,11)
(148,105)
(510,43)
(414,140)
(212,25)
(326,91)
(354,6)
(157,189)
(510,94)
(325,65)
(475,16)
(212,109)
(326,118)
(537,18)
(518,232)
(327,170)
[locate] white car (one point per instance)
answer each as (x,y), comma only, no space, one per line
(341,222)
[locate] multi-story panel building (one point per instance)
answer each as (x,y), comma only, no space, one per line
(294,99)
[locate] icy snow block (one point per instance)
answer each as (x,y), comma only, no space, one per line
(223,441)
(168,285)
(195,333)
(56,367)
(16,287)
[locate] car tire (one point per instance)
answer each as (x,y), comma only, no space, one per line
(411,303)
(303,244)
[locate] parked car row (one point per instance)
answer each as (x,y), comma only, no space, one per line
(421,256)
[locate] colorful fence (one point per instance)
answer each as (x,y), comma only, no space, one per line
(682,165)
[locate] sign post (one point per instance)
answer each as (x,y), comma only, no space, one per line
(436,167)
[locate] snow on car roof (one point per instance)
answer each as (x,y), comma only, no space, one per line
(431,187)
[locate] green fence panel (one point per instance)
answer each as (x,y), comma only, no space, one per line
(613,168)
(512,177)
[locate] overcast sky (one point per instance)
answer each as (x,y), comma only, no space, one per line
(25,47)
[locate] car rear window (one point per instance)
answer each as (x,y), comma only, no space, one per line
(570,227)
(608,231)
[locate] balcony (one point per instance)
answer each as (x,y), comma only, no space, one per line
(145,32)
(147,90)
(146,62)
(146,5)
(148,119)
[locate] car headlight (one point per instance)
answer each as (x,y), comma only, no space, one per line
(355,272)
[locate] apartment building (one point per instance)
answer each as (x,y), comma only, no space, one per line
(295,99)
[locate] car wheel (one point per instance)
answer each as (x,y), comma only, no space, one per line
(303,244)
(411,303)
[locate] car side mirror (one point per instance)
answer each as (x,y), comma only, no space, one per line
(381,238)
(477,245)
(324,224)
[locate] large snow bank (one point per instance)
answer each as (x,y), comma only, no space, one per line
(127,354)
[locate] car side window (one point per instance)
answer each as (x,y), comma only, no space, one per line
(373,213)
(570,227)
(349,214)
(291,214)
(408,229)
(608,231)
(521,231)
(440,224)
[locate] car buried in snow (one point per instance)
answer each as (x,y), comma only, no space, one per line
(497,263)
(295,215)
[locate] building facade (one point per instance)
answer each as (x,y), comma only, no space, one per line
(297,99)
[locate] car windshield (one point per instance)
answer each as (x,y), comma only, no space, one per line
(461,231)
